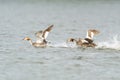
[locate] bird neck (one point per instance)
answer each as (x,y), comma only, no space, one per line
(30,41)
(79,41)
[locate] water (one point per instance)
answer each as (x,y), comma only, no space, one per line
(20,61)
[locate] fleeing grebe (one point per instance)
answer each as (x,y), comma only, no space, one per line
(35,44)
(41,38)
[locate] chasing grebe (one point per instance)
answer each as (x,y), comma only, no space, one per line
(41,38)
(81,42)
(88,41)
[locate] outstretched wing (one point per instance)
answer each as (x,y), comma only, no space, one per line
(91,33)
(42,35)
(46,32)
(39,34)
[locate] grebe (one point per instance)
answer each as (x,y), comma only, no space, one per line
(41,38)
(88,41)
(35,44)
(81,42)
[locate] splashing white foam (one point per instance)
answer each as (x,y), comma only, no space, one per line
(112,43)
(63,44)
(60,45)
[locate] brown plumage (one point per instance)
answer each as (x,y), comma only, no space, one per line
(47,30)
(42,35)
(80,43)
(41,38)
(88,41)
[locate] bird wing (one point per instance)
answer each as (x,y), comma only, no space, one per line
(39,34)
(42,35)
(91,33)
(46,32)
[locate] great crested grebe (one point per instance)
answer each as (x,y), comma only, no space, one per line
(88,41)
(81,43)
(35,44)
(41,38)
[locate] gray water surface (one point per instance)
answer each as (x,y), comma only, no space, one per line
(21,61)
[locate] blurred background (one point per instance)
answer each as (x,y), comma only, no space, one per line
(71,18)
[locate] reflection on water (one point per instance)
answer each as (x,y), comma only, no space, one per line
(20,61)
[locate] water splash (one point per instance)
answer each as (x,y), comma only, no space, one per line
(63,45)
(112,43)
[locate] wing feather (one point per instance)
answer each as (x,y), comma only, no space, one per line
(46,32)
